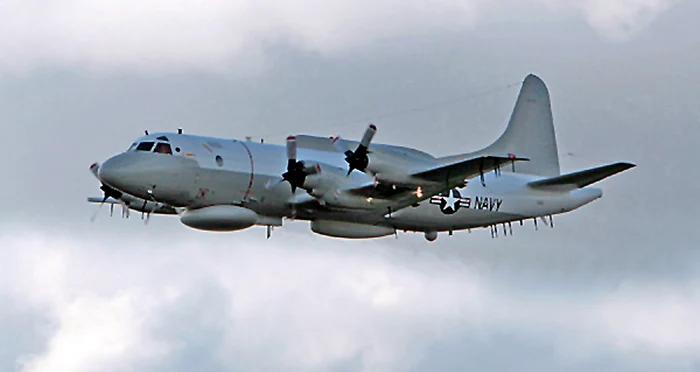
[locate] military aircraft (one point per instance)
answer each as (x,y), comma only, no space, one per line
(349,189)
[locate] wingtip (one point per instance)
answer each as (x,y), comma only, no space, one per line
(626,165)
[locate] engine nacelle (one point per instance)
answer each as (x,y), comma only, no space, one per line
(349,230)
(220,218)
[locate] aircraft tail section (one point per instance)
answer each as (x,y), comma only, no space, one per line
(580,179)
(530,133)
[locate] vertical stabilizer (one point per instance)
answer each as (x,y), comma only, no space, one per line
(530,132)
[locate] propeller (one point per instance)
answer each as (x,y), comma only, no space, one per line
(296,170)
(153,209)
(107,191)
(357,159)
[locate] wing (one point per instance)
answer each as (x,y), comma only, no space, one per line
(97,200)
(386,198)
(136,204)
(455,173)
(439,178)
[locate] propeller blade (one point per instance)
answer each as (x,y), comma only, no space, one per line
(369,134)
(292,149)
(341,145)
(97,212)
(125,209)
(148,215)
(143,209)
(291,161)
(271,184)
(359,158)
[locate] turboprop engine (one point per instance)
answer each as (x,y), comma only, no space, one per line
(219,218)
(320,180)
(349,230)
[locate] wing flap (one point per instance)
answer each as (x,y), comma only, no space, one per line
(581,178)
(466,168)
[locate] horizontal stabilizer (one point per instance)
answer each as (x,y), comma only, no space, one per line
(581,178)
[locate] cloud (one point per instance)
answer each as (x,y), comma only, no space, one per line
(619,19)
(164,36)
(248,305)
(224,36)
(103,332)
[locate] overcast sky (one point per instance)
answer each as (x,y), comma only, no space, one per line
(614,286)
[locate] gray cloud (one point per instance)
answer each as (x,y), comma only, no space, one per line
(160,37)
(111,306)
(618,20)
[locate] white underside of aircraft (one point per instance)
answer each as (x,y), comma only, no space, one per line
(218,184)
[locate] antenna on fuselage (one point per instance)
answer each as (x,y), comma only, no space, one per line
(146,131)
(179,130)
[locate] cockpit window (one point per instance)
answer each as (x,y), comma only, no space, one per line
(144,146)
(162,138)
(163,148)
(132,147)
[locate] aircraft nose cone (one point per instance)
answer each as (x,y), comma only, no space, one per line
(114,170)
(107,171)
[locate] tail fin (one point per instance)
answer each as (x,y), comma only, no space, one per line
(530,132)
